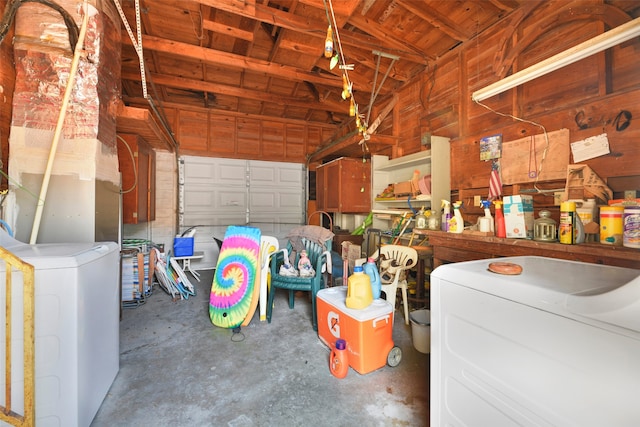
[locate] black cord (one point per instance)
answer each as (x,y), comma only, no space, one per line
(12,7)
(620,126)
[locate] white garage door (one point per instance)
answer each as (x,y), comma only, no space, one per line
(216,193)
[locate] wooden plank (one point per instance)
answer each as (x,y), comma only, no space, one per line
(140,121)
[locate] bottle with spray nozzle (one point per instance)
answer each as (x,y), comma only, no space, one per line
(456,223)
(501,229)
(446,215)
(485,223)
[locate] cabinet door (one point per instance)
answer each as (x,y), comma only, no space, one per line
(137,166)
(332,188)
(320,188)
(355,186)
(344,185)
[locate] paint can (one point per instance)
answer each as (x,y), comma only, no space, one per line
(611,225)
(631,227)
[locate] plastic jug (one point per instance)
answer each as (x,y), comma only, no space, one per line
(359,293)
(374,276)
(339,359)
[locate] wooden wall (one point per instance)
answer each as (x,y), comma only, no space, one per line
(203,133)
(7,83)
(584,98)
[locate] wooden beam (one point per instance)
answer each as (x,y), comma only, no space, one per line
(218,57)
(349,146)
(217,88)
(140,121)
(439,21)
(299,24)
(226,30)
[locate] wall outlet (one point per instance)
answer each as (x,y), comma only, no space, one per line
(476,200)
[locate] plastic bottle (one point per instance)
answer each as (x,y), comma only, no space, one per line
(421,219)
(446,215)
(500,227)
(586,210)
(328,44)
(432,221)
(567,226)
(485,223)
(359,293)
(374,276)
(456,224)
(339,359)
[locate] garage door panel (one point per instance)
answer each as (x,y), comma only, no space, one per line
(276,174)
(284,200)
(258,219)
(229,191)
(212,219)
(198,198)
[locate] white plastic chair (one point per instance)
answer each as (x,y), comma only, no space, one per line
(395,260)
(268,246)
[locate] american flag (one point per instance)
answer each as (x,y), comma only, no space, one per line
(495,183)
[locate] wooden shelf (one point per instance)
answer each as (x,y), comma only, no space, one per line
(450,247)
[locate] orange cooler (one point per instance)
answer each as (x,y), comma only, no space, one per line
(368,332)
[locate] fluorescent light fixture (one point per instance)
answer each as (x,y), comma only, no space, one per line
(597,44)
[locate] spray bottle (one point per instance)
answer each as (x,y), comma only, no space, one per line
(446,215)
(485,223)
(501,229)
(456,224)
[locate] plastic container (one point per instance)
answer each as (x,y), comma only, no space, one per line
(631,227)
(500,227)
(374,276)
(339,359)
(586,210)
(456,223)
(567,227)
(421,330)
(182,246)
(368,332)
(611,228)
(359,294)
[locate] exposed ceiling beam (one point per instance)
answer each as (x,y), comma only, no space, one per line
(227,30)
(216,88)
(290,21)
(213,56)
(439,21)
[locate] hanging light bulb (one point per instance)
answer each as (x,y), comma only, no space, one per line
(328,43)
(352,108)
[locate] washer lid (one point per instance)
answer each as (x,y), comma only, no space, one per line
(568,288)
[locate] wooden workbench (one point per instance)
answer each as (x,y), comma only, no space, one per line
(449,247)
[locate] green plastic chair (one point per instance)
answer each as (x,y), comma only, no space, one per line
(320,258)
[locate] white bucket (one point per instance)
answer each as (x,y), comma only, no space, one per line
(421,330)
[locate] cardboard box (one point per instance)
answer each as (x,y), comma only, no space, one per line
(182,246)
(351,252)
(518,216)
(368,332)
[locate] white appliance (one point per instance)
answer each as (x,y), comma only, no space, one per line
(557,345)
(76,328)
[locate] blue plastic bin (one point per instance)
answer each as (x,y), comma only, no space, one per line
(183,246)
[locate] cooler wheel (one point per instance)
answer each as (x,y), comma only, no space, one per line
(394,357)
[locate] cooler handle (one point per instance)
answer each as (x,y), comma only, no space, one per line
(376,320)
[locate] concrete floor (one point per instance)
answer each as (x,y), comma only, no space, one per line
(177,369)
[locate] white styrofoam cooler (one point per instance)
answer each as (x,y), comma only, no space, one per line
(76,328)
(558,345)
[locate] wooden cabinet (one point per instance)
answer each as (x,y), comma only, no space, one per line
(344,185)
(137,162)
(434,162)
